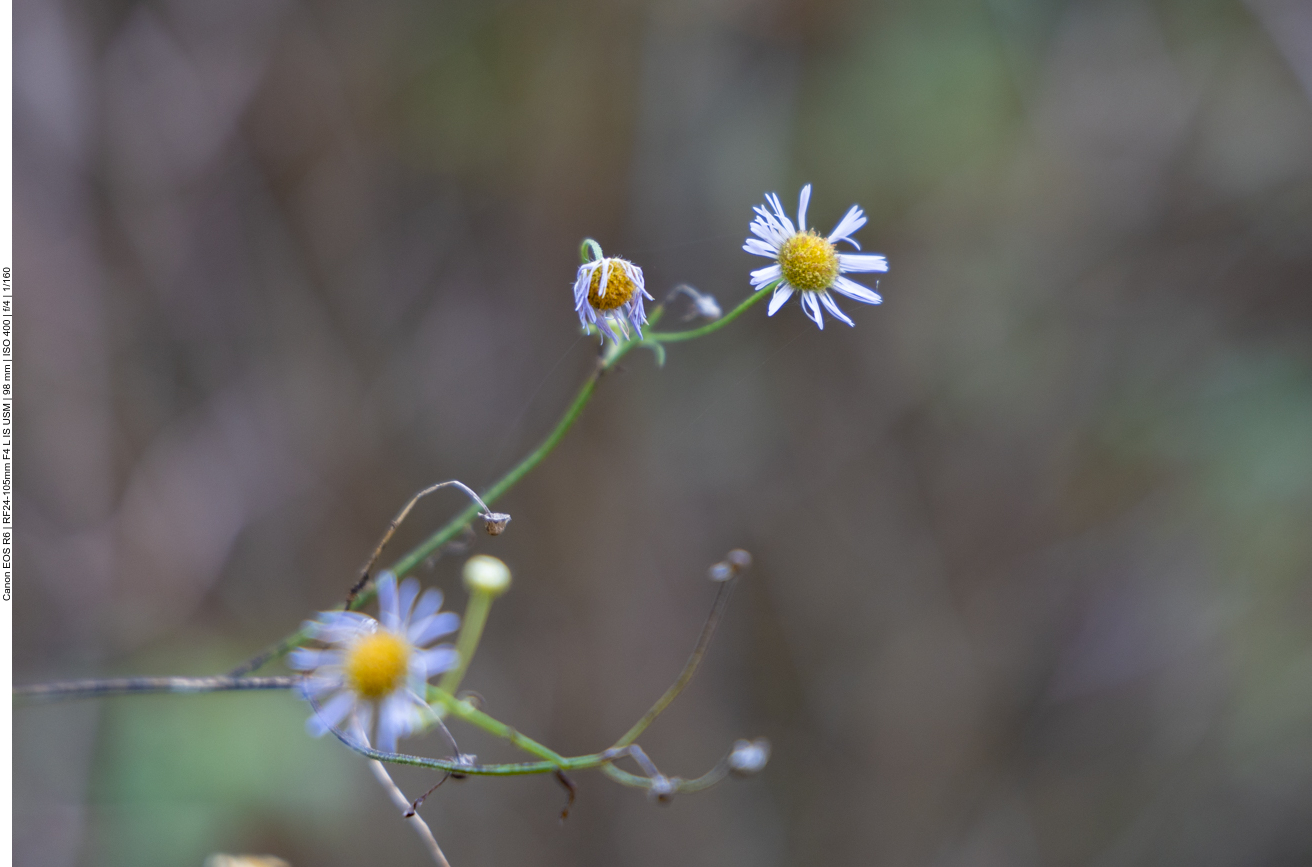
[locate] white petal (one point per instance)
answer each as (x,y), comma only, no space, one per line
(321,683)
(340,627)
(363,719)
(781,294)
(833,308)
(862,262)
(429,602)
(760,248)
(422,634)
(855,290)
(635,274)
(770,232)
(812,309)
(394,721)
(803,201)
(852,220)
(766,274)
(439,659)
(779,215)
(409,591)
(387,607)
(308,659)
(387,734)
(331,714)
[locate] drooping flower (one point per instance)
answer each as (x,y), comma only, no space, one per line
(608,293)
(807,262)
(376,668)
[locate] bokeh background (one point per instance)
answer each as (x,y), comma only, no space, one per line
(1033,541)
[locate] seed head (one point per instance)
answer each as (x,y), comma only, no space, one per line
(749,757)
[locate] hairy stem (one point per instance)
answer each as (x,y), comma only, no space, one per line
(72,689)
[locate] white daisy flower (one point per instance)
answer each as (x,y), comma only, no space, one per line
(608,293)
(376,668)
(808,262)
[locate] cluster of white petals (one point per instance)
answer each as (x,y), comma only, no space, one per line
(376,668)
(807,262)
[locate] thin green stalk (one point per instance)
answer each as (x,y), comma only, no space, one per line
(674,336)
(453,527)
(472,715)
(471,630)
(689,668)
(611,356)
(601,760)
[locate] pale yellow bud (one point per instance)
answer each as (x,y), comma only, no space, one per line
(484,574)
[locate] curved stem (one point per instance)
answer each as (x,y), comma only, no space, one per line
(453,527)
(689,668)
(401,516)
(472,715)
(674,336)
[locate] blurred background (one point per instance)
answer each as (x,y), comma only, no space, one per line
(1033,541)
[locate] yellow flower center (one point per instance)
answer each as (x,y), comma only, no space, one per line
(617,291)
(377,664)
(809,262)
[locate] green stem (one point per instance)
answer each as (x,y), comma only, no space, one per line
(674,336)
(453,527)
(472,715)
(551,760)
(610,357)
(471,630)
(689,668)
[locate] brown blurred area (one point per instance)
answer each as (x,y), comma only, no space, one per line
(1032,541)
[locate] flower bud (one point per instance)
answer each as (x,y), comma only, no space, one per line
(721,572)
(749,757)
(734,562)
(484,574)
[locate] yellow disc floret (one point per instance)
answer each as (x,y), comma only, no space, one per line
(617,291)
(809,262)
(377,664)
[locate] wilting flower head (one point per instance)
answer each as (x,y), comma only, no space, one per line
(376,667)
(806,261)
(608,293)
